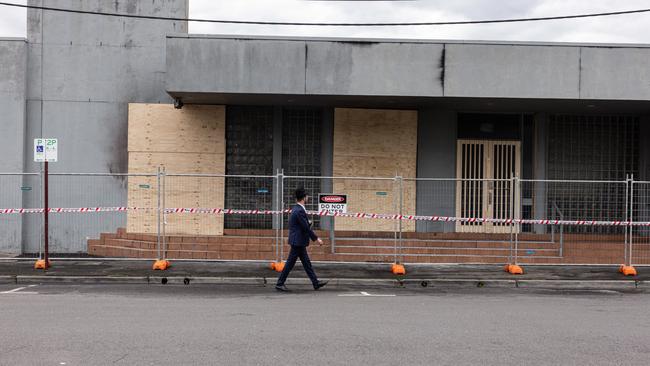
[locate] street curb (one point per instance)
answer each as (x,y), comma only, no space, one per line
(82,279)
(578,284)
(4,280)
(461,283)
(335,282)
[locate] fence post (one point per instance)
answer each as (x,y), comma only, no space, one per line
(516,213)
(164,213)
(400,187)
(513,267)
(159,210)
(627,218)
(278,217)
(281,192)
(396,210)
(631,207)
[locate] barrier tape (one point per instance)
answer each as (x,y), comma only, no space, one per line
(359,215)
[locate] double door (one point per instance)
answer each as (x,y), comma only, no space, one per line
(484,187)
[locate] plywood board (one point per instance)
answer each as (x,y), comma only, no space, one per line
(375,143)
(186,141)
(162,128)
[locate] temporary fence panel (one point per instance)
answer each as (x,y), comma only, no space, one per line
(584,222)
(20,233)
(639,239)
(218,216)
(85,206)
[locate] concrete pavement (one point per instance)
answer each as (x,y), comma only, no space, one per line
(241,272)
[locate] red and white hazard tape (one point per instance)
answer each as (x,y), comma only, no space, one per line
(358,215)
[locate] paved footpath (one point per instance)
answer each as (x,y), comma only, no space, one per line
(340,274)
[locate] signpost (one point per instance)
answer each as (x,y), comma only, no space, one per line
(45,150)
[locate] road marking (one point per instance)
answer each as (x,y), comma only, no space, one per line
(17,291)
(364,293)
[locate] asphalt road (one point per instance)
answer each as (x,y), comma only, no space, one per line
(234,325)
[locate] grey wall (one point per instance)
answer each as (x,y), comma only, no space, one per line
(86,69)
(436,152)
(13,65)
(275,65)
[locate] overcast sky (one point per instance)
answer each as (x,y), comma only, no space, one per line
(615,29)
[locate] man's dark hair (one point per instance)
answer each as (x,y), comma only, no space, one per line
(300,194)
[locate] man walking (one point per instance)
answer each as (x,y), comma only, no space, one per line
(299,234)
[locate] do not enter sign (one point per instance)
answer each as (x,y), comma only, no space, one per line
(333,203)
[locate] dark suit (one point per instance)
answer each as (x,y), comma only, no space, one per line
(300,233)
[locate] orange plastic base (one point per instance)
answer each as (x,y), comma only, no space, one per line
(161,264)
(514,269)
(398,269)
(40,264)
(277,266)
(627,270)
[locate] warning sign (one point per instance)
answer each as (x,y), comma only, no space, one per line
(333,203)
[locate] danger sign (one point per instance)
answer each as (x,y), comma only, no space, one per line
(333,203)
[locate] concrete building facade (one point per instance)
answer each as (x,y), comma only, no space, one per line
(364,107)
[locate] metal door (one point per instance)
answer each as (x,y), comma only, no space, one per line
(485,188)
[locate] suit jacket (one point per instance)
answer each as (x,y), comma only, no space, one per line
(299,229)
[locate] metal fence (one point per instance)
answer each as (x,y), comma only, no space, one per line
(390,219)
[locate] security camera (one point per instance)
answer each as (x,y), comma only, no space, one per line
(178,103)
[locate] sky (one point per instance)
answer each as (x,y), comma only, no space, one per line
(615,29)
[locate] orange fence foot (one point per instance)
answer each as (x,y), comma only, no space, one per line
(398,269)
(40,264)
(277,266)
(627,270)
(514,269)
(161,264)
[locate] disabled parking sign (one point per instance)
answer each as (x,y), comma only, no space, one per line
(46,150)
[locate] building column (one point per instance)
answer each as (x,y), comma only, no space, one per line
(277,160)
(436,158)
(327,157)
(539,169)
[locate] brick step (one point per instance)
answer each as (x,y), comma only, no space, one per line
(438,244)
(587,258)
(449,251)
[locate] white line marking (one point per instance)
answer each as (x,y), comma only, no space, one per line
(364,294)
(16,291)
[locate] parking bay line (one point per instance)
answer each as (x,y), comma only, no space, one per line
(19,289)
(366,294)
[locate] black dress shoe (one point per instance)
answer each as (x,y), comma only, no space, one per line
(282,288)
(320,284)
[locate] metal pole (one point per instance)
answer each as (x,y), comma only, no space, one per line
(158,177)
(401,205)
(627,217)
(332,220)
(41,230)
(281,181)
(515,215)
(277,218)
(631,218)
(46,255)
(511,259)
(396,210)
(164,214)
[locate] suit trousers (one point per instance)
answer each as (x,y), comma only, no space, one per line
(294,254)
